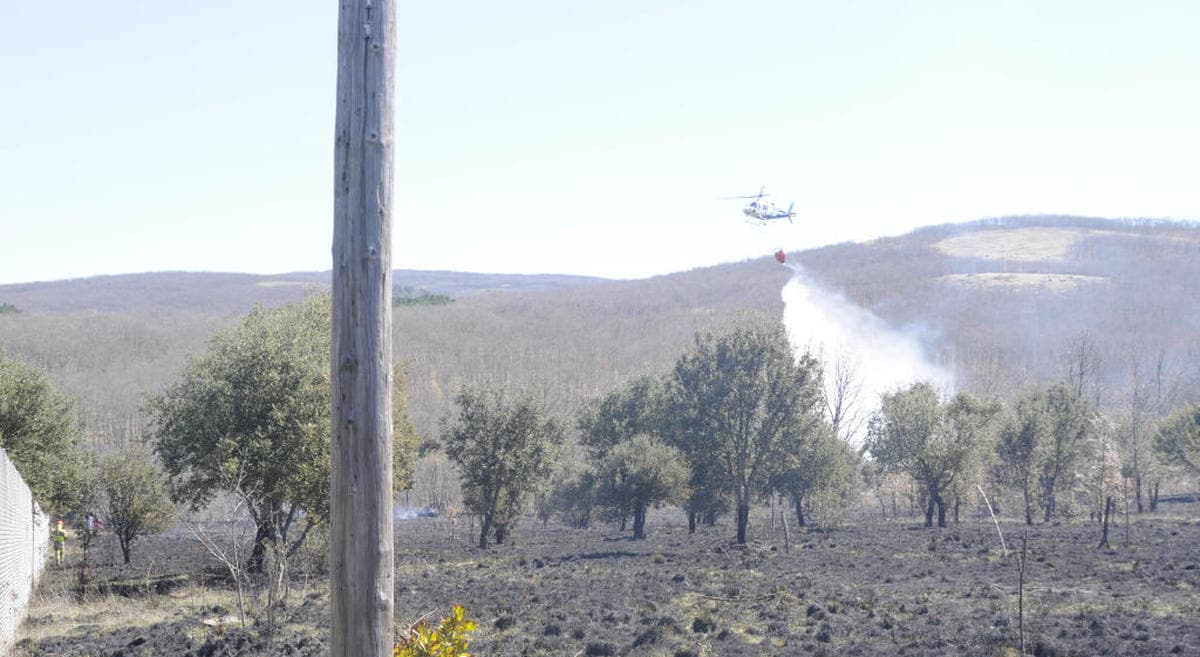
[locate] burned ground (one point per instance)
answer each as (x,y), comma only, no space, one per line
(873,589)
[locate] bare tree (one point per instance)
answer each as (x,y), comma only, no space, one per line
(1081,362)
(844,405)
(1153,388)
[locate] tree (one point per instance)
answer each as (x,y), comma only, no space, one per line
(1071,427)
(1043,443)
(502,451)
(936,444)
(38,432)
(138,501)
(1017,447)
(641,473)
(843,386)
(1177,440)
(1081,365)
(635,408)
(252,416)
(823,463)
(1153,386)
(573,495)
(739,403)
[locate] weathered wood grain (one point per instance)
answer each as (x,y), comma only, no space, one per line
(361,561)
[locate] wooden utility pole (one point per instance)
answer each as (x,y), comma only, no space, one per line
(361,561)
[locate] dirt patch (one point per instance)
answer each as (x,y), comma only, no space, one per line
(995,280)
(1019,244)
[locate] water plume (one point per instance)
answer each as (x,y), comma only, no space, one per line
(826,323)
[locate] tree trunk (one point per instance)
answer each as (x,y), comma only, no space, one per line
(929,512)
(1108,503)
(1137,486)
(124,549)
(800,522)
(639,522)
(1028,506)
(501,532)
(957,502)
(1154,497)
(743,520)
(264,534)
(361,551)
(941,507)
(710,518)
(485,528)
(692,522)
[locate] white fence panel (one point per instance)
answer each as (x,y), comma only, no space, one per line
(24,534)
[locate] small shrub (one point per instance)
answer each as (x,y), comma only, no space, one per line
(448,639)
(504,622)
(649,637)
(600,649)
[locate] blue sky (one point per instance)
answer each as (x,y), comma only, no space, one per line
(589,138)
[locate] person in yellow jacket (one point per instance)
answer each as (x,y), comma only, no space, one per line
(59,536)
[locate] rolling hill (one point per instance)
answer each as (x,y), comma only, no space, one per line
(1002,302)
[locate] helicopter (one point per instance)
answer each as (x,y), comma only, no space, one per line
(761,211)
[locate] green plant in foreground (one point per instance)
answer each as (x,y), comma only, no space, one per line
(447,640)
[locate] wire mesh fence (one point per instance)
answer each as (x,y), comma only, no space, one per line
(24,540)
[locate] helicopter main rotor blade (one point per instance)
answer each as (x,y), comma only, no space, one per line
(731,198)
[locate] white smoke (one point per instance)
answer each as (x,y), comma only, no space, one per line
(406,512)
(831,326)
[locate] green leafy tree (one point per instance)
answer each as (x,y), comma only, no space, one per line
(1043,442)
(573,496)
(935,443)
(39,433)
(1177,440)
(252,416)
(822,463)
(740,403)
(503,450)
(641,473)
(632,409)
(138,500)
(1072,426)
(1017,448)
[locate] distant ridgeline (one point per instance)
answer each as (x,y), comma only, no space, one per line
(8,309)
(411,296)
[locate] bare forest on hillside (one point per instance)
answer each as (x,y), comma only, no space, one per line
(1131,321)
